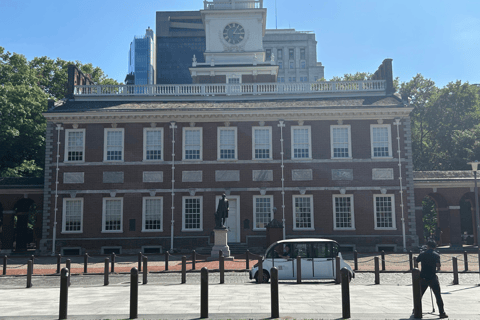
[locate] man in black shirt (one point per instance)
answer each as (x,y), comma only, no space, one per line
(430,266)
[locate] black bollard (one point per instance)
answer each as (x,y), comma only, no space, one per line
(377,271)
(145,269)
(85,263)
(247,260)
(204,293)
(221,265)
(29,273)
(455,270)
(355,260)
(299,269)
(140,255)
(63,294)
(260,271)
(59,262)
(383,260)
(338,276)
(184,269)
(345,293)
(465,260)
(133,293)
(167,255)
(4,265)
(417,294)
(410,259)
(33,260)
(275,307)
(105,272)
(194,259)
(113,262)
(68,265)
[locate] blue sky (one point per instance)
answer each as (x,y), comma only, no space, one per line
(437,38)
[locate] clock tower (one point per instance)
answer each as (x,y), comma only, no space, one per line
(234,31)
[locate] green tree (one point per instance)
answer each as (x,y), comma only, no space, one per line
(354,77)
(429,210)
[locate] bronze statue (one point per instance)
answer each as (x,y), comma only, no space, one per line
(222,213)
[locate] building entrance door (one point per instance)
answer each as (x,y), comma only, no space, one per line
(233,221)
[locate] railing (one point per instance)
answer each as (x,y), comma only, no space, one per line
(231,89)
(232,4)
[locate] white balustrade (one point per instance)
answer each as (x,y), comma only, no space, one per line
(232,4)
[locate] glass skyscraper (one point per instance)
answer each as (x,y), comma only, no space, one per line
(141,58)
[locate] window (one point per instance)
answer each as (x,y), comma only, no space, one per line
(301,142)
(152,214)
(315,78)
(291,54)
(280,64)
(75,145)
(262,142)
(268,54)
(234,80)
(112,215)
(227,143)
(262,211)
(192,214)
(340,141)
(302,53)
(152,144)
(303,79)
(72,215)
(113,145)
(303,65)
(303,212)
(192,143)
(280,54)
(381,141)
(292,64)
(292,79)
(281,79)
(384,212)
(343,212)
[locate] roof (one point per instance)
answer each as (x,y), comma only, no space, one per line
(442,175)
(21,183)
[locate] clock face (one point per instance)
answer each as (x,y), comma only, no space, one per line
(233,33)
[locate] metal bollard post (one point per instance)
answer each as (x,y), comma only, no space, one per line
(275,307)
(29,273)
(455,270)
(33,261)
(204,293)
(133,293)
(113,263)
(377,271)
(338,278)
(145,269)
(63,294)
(410,259)
(465,260)
(105,272)
(260,271)
(417,294)
(299,269)
(383,260)
(355,260)
(247,260)
(59,262)
(184,269)
(221,265)
(68,265)
(4,265)
(167,255)
(345,293)
(85,263)
(194,259)
(140,255)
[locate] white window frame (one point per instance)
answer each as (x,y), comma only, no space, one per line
(104,208)
(145,130)
(234,76)
(200,130)
(106,130)
(219,130)
(64,219)
(269,142)
(394,224)
(309,142)
(352,206)
(389,131)
(332,145)
(295,213)
(183,213)
(67,132)
(144,208)
(255,211)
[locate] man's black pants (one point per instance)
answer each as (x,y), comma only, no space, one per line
(435,285)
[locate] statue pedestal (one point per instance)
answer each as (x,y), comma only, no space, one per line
(220,244)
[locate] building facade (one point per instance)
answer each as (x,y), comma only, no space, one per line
(141,59)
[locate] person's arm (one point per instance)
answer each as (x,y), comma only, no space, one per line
(438,266)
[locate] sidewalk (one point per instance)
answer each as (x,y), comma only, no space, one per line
(235,301)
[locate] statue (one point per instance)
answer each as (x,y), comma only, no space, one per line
(222,213)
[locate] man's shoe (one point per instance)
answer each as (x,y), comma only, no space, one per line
(443,315)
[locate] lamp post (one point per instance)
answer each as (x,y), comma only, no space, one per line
(477,216)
